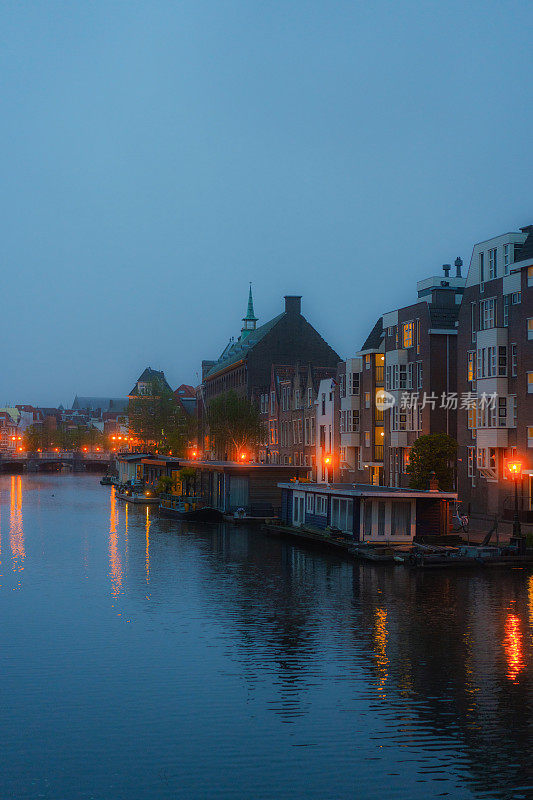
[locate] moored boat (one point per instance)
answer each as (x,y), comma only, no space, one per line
(188,508)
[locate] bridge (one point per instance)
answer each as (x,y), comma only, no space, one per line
(54,461)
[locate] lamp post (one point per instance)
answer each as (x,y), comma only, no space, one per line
(515,471)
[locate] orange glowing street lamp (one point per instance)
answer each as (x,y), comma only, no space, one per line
(514,468)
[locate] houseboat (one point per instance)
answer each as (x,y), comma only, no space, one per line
(366,513)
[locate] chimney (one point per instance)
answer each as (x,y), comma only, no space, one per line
(293,304)
(446,268)
(458,264)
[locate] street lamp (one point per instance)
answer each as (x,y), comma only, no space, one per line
(515,471)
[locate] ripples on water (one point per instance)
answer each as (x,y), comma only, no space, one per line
(142,658)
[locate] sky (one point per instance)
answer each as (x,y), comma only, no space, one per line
(156,157)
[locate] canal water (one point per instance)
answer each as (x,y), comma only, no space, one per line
(143,658)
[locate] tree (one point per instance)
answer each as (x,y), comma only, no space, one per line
(234,423)
(435,452)
(158,421)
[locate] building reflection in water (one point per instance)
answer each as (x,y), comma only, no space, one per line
(513,647)
(16,532)
(115,564)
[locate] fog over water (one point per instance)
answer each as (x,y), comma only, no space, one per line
(147,658)
(159,156)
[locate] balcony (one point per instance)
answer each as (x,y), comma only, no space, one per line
(352,439)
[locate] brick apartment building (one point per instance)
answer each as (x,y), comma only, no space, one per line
(289,414)
(245,364)
(495,365)
(411,354)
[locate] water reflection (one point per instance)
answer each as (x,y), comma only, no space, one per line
(147,550)
(16,531)
(513,647)
(115,562)
(258,652)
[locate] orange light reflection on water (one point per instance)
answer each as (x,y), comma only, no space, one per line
(147,559)
(115,563)
(513,647)
(16,531)
(381,637)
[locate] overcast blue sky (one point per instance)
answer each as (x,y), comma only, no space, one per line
(158,156)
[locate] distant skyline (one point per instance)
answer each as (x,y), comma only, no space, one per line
(157,157)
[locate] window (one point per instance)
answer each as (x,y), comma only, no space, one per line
(486,314)
(530,276)
(353,386)
(418,336)
(367,519)
(342,514)
(493,263)
(410,374)
(516,298)
(502,361)
(321,505)
(472,423)
(359,458)
(530,328)
(506,258)
(482,268)
(390,332)
(530,436)
(367,399)
(471,462)
(323,403)
(297,398)
(401,519)
(309,397)
(367,433)
(381,517)
(530,382)
(502,412)
(367,362)
(310,503)
(471,368)
(506,301)
(419,375)
(473,320)
(408,334)
(272,402)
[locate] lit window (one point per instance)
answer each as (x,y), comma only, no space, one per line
(408,334)
(530,382)
(471,366)
(530,276)
(530,328)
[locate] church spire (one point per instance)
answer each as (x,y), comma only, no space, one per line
(250,320)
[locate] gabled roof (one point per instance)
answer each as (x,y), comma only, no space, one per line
(235,351)
(151,376)
(373,340)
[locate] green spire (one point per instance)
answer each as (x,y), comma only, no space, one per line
(250,319)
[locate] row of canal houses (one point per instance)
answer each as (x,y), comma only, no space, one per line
(347,427)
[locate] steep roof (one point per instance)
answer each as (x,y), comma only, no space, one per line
(151,376)
(100,404)
(235,351)
(373,340)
